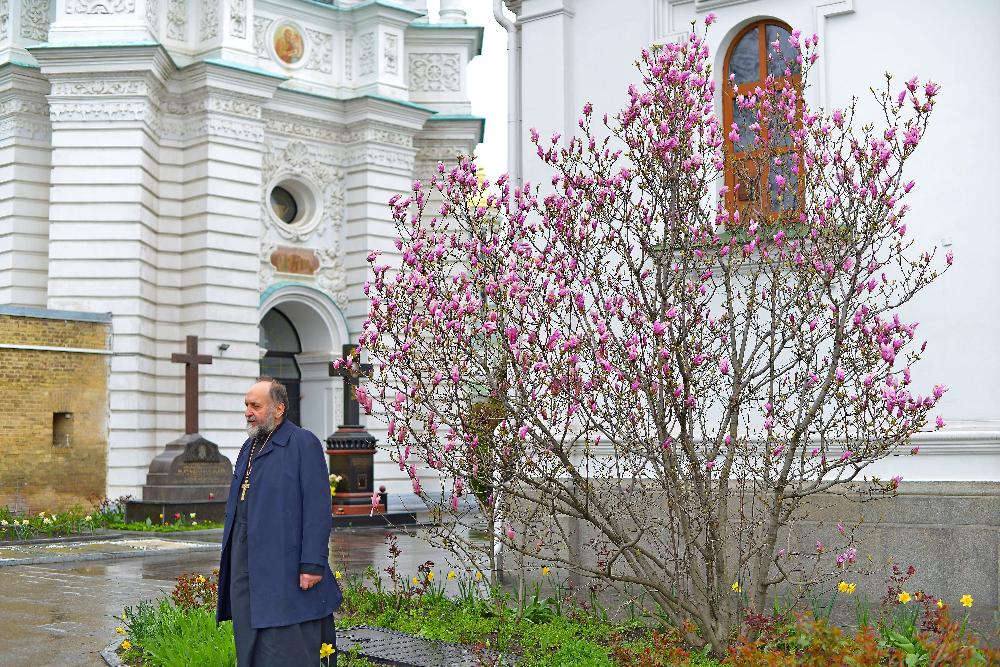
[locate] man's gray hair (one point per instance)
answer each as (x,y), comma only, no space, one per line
(278,393)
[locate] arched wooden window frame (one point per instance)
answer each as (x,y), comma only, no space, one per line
(752,157)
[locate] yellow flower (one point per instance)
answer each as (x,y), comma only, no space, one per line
(430,576)
(845,587)
(123,616)
(545,571)
(126,645)
(88,518)
(200,579)
(451,574)
(736,587)
(120,630)
(479,576)
(193,515)
(326,650)
(161,515)
(41,514)
(416,582)
(904,597)
(940,603)
(966,600)
(338,574)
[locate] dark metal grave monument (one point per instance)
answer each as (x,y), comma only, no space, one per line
(351,450)
(189,475)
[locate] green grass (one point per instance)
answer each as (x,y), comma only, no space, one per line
(151,527)
(165,635)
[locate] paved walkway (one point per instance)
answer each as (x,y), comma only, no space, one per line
(65,613)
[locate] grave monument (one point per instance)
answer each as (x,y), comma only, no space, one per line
(189,476)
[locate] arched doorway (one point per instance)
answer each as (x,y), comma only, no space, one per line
(279,337)
(301,331)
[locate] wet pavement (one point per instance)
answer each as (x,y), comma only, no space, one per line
(65,613)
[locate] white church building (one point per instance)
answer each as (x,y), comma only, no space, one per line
(564,53)
(217,168)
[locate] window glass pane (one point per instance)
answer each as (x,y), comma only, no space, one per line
(743,119)
(284,205)
(779,132)
(744,61)
(277,334)
(281,368)
(784,195)
(785,56)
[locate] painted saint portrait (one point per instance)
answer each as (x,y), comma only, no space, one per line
(288,44)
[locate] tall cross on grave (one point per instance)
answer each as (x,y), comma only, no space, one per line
(352,413)
(192,359)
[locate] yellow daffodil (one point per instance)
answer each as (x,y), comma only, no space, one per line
(430,576)
(338,574)
(904,597)
(940,603)
(479,576)
(88,518)
(451,574)
(966,600)
(326,650)
(120,630)
(126,645)
(845,587)
(161,515)
(416,582)
(736,587)
(545,571)
(200,579)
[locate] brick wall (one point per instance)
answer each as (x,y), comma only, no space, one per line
(35,473)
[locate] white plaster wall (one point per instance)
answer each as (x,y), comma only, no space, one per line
(954,167)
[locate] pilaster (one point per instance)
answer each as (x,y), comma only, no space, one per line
(104,223)
(104,21)
(24,186)
(218,111)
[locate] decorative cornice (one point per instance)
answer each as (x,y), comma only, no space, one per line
(100,6)
(381,157)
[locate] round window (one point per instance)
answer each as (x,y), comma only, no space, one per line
(284,206)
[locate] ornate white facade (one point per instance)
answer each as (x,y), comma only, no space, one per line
(190,165)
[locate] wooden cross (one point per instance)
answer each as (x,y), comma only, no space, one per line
(192,359)
(352,413)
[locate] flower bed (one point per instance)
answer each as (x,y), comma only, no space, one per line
(559,630)
(77,521)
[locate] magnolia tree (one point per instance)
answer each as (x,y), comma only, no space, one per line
(641,374)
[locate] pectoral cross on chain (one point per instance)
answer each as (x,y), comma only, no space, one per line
(243,489)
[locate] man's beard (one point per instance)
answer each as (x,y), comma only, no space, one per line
(257,429)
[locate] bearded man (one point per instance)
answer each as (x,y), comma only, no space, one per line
(274,579)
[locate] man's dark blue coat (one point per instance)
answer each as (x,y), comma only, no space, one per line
(288,525)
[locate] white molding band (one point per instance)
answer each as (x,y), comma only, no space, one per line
(50,348)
